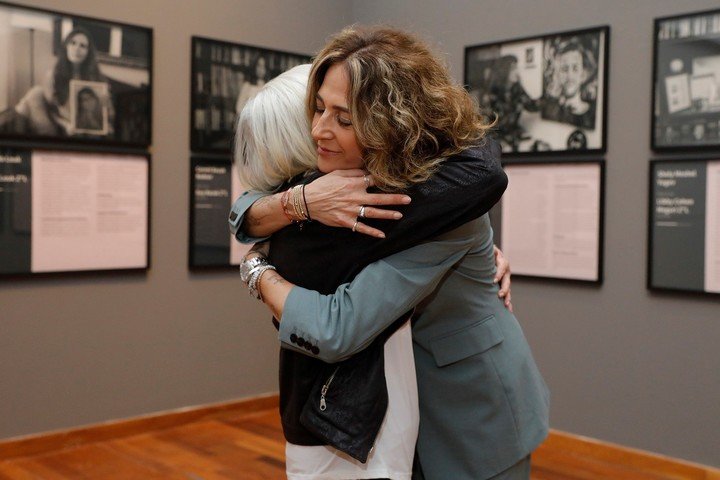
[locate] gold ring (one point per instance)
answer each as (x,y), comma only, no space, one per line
(355,226)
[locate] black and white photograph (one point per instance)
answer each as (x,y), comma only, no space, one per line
(686,82)
(546,93)
(71,78)
(224,77)
(89,107)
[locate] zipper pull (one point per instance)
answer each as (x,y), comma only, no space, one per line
(323,391)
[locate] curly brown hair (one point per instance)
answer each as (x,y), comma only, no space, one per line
(408,114)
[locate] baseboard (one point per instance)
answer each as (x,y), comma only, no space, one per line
(57,440)
(588,458)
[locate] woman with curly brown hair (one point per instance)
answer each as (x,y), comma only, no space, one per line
(380,100)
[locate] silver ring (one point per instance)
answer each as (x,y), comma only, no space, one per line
(355,226)
(367,181)
(361,213)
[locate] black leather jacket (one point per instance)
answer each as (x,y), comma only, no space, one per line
(321,258)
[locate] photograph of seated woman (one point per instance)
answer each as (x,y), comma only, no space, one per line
(380,100)
(45,109)
(571,85)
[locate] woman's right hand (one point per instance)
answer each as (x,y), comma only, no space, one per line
(336,199)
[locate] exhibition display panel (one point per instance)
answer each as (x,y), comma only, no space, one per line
(213,188)
(686,82)
(548,93)
(224,77)
(64,211)
(69,78)
(684,225)
(552,219)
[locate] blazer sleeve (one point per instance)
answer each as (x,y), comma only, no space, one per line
(345,322)
(237,215)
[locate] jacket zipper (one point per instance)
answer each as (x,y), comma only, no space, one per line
(324,390)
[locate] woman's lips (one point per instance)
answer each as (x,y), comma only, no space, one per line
(325,151)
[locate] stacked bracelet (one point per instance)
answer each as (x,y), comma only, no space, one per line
(254,283)
(250,272)
(294,205)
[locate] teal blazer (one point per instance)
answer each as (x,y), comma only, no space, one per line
(483,403)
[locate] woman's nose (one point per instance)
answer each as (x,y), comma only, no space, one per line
(320,128)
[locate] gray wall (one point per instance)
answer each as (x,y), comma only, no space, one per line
(624,365)
(75,350)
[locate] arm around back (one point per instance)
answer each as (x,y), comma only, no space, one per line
(347,321)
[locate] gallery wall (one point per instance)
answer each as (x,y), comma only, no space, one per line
(623,364)
(81,349)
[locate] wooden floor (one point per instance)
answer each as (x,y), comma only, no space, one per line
(251,446)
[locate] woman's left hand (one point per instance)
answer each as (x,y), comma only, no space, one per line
(502,276)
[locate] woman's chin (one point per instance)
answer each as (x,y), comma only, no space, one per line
(324,166)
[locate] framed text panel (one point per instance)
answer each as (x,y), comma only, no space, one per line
(214,185)
(684,226)
(66,211)
(551,220)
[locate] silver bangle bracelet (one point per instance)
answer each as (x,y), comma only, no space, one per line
(253,284)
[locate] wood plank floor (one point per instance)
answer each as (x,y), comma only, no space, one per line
(232,446)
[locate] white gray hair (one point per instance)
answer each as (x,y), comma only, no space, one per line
(273,141)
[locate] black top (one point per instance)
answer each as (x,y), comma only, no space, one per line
(318,257)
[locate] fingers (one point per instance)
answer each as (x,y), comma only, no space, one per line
(381,213)
(505,288)
(366,230)
(385,199)
(502,266)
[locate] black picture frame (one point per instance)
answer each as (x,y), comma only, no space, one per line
(110,213)
(550,126)
(496,220)
(685,114)
(218,72)
(678,244)
(212,192)
(34,111)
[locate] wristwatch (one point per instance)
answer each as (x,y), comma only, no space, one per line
(248,266)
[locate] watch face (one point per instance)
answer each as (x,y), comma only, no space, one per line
(245,268)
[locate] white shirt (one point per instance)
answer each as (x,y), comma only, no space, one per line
(392,456)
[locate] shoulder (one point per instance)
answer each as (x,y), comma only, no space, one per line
(488,149)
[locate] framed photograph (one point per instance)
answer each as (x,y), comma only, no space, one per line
(547,93)
(686,82)
(67,78)
(88,110)
(550,221)
(63,211)
(684,226)
(224,77)
(214,186)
